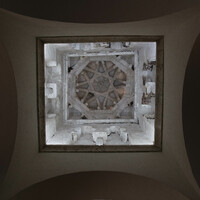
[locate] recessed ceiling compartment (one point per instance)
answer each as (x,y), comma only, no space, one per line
(100,93)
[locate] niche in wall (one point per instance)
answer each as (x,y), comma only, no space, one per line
(100,93)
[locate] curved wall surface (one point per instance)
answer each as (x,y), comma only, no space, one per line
(99,185)
(89,11)
(8,113)
(191,109)
(28,166)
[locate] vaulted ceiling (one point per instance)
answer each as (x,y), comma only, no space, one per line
(18,32)
(98,11)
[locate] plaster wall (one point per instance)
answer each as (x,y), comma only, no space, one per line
(170,166)
(8,113)
(99,186)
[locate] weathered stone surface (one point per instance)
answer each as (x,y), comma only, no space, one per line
(99,136)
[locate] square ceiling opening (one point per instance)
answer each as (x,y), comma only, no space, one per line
(100,93)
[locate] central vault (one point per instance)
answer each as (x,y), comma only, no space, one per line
(101,87)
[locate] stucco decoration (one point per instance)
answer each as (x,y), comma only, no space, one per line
(101,91)
(101,87)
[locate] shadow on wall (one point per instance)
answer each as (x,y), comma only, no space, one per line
(8,111)
(99,186)
(191,109)
(89,11)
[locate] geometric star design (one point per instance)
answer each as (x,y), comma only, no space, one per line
(101,87)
